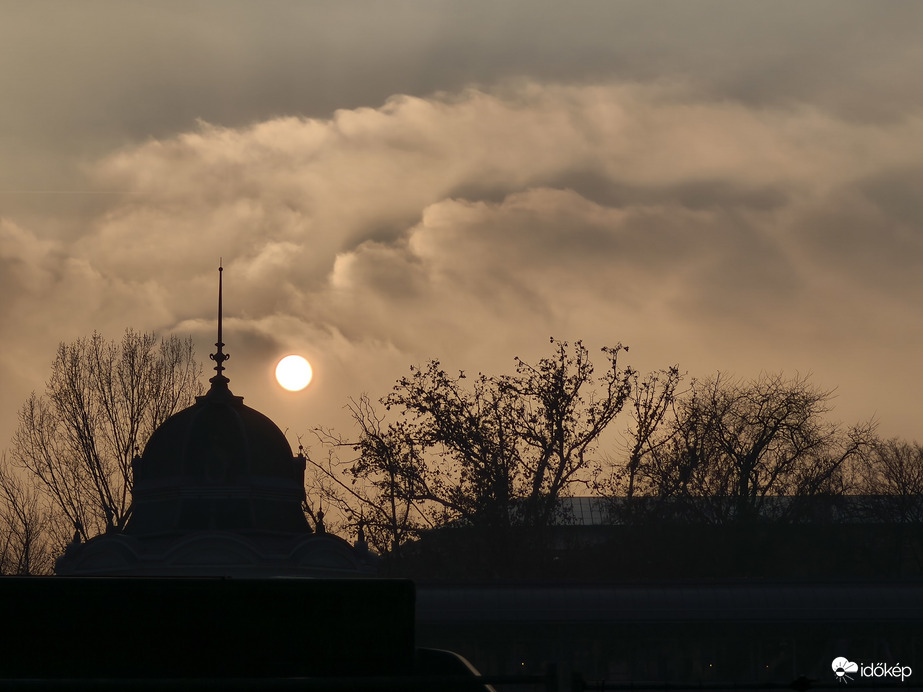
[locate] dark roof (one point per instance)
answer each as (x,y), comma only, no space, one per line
(218,465)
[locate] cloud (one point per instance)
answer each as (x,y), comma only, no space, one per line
(472,225)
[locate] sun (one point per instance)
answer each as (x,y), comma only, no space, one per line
(293,373)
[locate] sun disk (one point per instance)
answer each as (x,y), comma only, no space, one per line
(293,373)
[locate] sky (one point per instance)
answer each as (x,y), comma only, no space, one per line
(725,186)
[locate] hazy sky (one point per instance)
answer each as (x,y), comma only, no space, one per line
(724,185)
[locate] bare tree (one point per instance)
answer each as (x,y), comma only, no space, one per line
(892,482)
(382,487)
(559,414)
(733,448)
(470,432)
(26,531)
(652,399)
(492,452)
(76,442)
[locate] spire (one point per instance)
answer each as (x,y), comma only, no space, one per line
(220,356)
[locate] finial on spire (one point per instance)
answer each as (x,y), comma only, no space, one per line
(220,356)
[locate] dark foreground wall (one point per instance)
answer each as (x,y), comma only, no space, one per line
(58,627)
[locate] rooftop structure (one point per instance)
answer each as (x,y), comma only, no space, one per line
(217,492)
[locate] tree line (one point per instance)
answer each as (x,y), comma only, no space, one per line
(495,453)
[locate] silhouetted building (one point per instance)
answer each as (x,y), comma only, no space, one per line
(217,492)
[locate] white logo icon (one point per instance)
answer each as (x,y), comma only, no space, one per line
(842,666)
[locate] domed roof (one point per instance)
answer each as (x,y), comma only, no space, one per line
(218,465)
(217,441)
(218,492)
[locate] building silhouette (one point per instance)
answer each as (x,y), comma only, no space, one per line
(217,492)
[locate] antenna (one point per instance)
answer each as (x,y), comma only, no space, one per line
(220,356)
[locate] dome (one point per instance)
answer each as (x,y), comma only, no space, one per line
(218,465)
(218,440)
(217,492)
